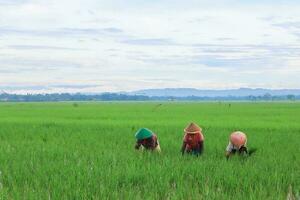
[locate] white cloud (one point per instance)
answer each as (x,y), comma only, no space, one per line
(128,45)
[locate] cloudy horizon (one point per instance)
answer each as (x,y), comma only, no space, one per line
(110,46)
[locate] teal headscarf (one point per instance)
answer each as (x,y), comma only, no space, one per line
(143,133)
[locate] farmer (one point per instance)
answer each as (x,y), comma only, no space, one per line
(146,139)
(193,140)
(237,143)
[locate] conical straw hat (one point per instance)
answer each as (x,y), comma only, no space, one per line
(192,128)
(143,133)
(238,138)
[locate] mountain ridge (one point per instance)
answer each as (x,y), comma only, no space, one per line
(240,92)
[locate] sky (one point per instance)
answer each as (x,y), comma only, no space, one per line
(94,46)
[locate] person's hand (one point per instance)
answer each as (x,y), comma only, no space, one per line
(243,150)
(182,151)
(227,154)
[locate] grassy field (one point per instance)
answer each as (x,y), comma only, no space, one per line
(86,151)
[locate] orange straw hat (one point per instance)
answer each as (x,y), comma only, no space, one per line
(238,138)
(192,128)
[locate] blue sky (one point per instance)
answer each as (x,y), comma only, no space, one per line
(117,45)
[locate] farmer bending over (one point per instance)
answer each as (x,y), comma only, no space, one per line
(193,140)
(237,143)
(146,139)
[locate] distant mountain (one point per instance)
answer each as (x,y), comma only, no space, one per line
(242,92)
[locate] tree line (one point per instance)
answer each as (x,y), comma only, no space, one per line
(5,97)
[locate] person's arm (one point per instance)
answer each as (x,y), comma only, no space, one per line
(243,149)
(201,147)
(227,154)
(183,147)
(153,141)
(228,150)
(138,144)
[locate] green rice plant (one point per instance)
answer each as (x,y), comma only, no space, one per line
(63,151)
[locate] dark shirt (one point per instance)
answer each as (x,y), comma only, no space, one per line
(148,143)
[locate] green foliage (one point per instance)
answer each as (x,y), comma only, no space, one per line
(62,151)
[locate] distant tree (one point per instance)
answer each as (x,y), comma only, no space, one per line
(291,97)
(267,97)
(252,98)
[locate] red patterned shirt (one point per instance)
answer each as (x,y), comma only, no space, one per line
(193,140)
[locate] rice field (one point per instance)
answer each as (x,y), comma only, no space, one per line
(86,151)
